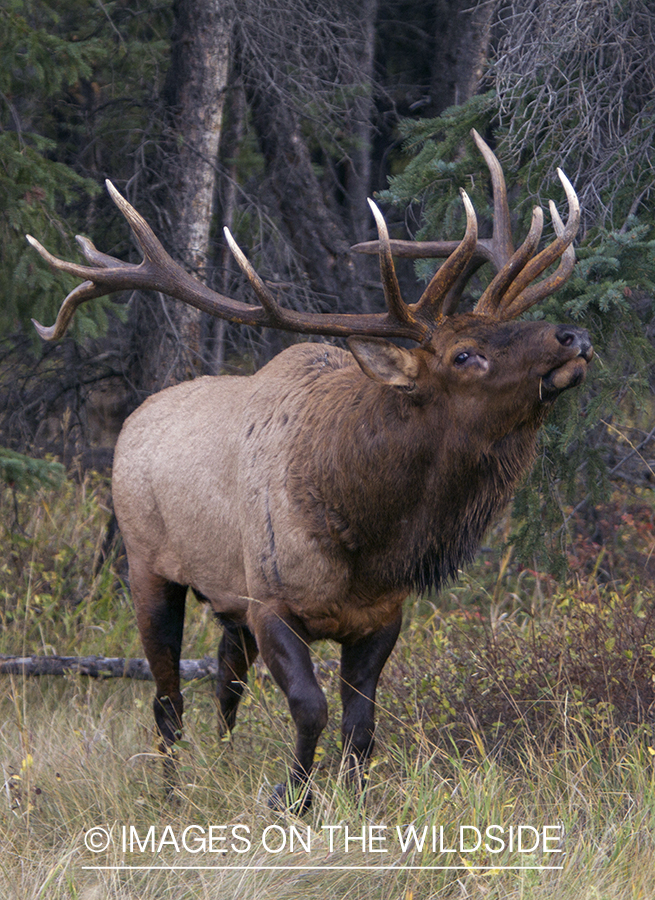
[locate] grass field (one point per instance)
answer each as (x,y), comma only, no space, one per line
(483,724)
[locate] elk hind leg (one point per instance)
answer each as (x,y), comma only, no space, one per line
(236,653)
(159,606)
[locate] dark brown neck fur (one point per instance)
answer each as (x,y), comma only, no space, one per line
(402,492)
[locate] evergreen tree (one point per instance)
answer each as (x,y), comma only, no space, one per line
(77,94)
(603,433)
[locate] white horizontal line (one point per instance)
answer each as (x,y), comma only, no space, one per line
(320,868)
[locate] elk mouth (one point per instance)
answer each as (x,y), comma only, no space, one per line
(568,375)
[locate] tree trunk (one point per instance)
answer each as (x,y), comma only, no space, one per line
(358,174)
(317,235)
(194,94)
(461,47)
(227,190)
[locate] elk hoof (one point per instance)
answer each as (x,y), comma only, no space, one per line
(294,798)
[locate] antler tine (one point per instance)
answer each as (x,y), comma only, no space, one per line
(397,307)
(83,292)
(554,282)
(511,292)
(447,275)
(497,250)
(519,296)
(95,256)
(148,242)
(88,290)
(501,247)
(409,249)
(493,294)
(61,264)
(265,297)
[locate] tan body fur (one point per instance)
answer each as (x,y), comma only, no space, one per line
(202,487)
(308,500)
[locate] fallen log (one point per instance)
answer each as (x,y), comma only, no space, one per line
(101,666)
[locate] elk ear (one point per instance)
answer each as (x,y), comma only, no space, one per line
(384,362)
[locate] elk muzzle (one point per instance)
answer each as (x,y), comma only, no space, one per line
(572,371)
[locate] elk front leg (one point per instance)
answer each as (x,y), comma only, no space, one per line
(236,653)
(159,606)
(284,648)
(361,664)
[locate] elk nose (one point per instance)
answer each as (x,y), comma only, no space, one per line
(577,338)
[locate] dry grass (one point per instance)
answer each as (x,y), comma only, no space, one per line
(78,754)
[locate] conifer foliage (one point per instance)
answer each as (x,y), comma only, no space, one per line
(77,93)
(605,437)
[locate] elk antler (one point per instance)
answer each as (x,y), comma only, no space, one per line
(157,271)
(511,292)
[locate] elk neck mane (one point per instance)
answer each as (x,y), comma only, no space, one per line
(395,487)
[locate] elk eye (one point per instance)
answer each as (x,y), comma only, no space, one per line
(471,359)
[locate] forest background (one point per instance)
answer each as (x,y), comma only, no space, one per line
(278,118)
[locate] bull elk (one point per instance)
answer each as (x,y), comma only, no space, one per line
(308,500)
